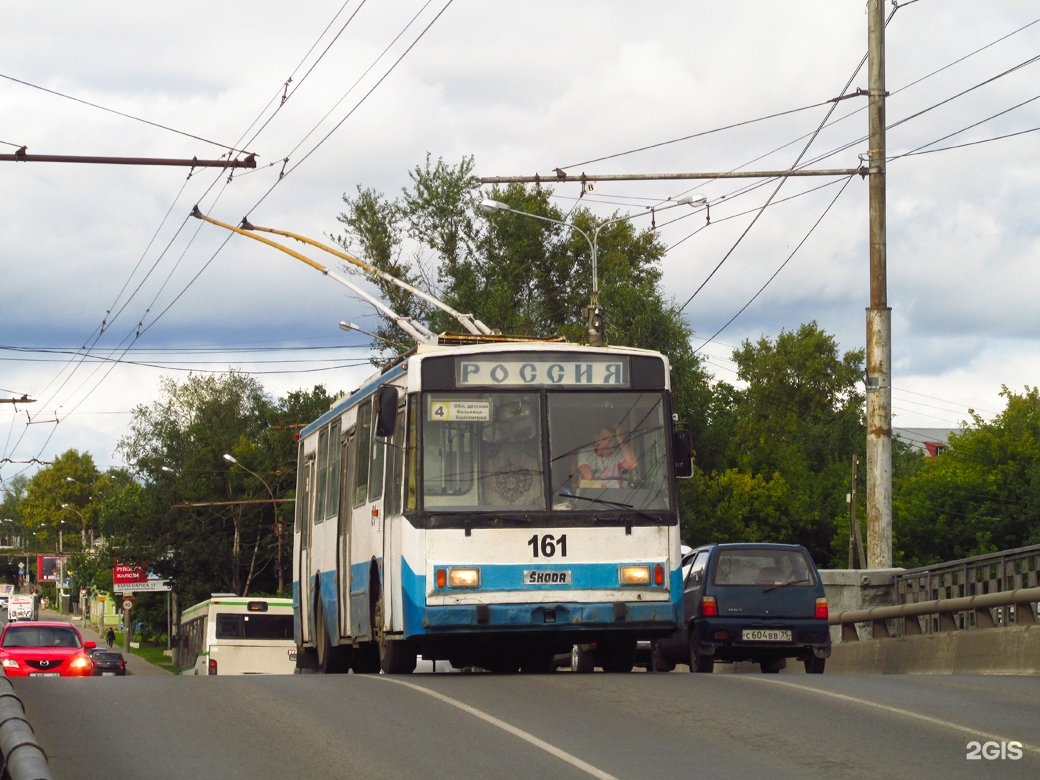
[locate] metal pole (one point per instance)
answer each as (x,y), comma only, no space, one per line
(879,315)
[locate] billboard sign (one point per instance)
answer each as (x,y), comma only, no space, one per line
(133,578)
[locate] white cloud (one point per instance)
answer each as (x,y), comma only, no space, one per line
(524,87)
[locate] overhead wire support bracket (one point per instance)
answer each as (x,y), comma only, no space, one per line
(467,321)
(416,330)
(585,179)
(22,156)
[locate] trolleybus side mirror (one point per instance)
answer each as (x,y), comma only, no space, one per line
(682,452)
(386,411)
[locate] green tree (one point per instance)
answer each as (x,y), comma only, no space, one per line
(189,521)
(981,494)
(57,506)
(793,429)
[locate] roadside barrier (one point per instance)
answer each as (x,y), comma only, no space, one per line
(23,757)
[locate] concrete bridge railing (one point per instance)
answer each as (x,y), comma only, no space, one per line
(988,633)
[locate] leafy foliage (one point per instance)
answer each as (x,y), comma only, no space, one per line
(793,430)
(981,494)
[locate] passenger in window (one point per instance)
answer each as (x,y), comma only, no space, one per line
(610,458)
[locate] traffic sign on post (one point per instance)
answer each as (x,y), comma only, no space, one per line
(128,603)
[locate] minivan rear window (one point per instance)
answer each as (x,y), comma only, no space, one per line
(763,567)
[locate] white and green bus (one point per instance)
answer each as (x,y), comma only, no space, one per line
(229,634)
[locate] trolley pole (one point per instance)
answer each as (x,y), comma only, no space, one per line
(879,315)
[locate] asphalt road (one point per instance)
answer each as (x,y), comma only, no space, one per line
(558,725)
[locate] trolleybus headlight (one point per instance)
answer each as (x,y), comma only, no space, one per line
(635,575)
(463,578)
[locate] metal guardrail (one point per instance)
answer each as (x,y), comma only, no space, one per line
(994,572)
(986,610)
(23,757)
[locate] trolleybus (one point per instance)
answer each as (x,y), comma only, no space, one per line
(228,634)
(443,510)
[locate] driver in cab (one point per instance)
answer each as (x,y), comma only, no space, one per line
(609,459)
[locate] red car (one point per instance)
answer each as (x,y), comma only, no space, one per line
(41,648)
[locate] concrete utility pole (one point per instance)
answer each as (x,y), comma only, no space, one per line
(879,315)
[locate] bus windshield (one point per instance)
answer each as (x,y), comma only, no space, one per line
(545,451)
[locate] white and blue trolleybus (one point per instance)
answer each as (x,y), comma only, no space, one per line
(450,508)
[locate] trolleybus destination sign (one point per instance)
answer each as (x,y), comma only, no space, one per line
(558,371)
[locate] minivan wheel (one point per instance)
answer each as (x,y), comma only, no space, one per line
(814,665)
(703,664)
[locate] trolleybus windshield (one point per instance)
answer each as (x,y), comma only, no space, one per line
(523,451)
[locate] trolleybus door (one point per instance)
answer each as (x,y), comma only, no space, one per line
(346,502)
(306,531)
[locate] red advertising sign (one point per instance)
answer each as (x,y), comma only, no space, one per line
(130,578)
(129,574)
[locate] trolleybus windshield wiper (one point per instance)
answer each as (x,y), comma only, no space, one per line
(618,504)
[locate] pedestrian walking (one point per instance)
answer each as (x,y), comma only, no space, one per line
(110,638)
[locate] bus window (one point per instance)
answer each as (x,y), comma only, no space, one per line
(302,493)
(376,461)
(483,451)
(575,421)
(332,492)
(395,465)
(364,442)
(322,474)
(412,464)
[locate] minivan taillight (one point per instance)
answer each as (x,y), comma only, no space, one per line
(822,613)
(708,607)
(212,666)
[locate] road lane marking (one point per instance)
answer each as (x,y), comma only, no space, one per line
(976,733)
(531,739)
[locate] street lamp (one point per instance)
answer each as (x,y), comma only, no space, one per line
(83,525)
(595,327)
(349,326)
(277,521)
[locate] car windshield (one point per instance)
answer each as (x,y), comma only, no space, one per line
(763,567)
(40,636)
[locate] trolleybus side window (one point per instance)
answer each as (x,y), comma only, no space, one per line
(377,460)
(302,494)
(332,482)
(322,475)
(395,467)
(412,464)
(361,457)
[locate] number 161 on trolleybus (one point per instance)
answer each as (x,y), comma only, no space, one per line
(490,502)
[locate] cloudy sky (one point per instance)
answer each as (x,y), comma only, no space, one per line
(108,284)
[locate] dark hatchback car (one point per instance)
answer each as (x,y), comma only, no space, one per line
(108,663)
(755,602)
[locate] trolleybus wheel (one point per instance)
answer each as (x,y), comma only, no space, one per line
(331,660)
(395,656)
(618,655)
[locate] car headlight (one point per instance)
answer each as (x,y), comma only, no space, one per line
(81,664)
(10,663)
